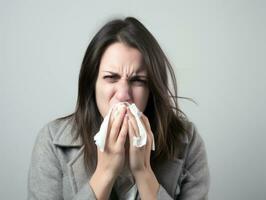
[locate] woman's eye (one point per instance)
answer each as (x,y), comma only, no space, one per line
(109,78)
(139,81)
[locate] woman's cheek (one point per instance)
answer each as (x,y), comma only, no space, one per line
(103,98)
(108,95)
(141,96)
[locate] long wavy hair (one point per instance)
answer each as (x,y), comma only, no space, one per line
(166,118)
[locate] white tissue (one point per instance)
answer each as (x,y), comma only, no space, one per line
(140,141)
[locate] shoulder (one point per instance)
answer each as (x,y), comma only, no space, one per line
(192,135)
(60,132)
(195,151)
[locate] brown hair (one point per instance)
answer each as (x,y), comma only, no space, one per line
(162,110)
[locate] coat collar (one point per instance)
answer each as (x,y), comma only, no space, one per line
(65,134)
(168,174)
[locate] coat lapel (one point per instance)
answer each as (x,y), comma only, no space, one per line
(78,175)
(77,171)
(168,173)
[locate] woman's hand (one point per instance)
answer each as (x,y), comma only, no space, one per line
(110,162)
(139,159)
(113,157)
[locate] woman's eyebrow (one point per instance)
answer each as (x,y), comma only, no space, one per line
(110,72)
(137,73)
(113,73)
(132,76)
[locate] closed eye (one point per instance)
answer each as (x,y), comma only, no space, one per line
(111,77)
(138,80)
(133,80)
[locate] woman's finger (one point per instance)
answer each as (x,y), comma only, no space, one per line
(146,122)
(116,125)
(150,136)
(130,132)
(121,139)
(133,121)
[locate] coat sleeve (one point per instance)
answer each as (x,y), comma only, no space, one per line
(45,177)
(194,181)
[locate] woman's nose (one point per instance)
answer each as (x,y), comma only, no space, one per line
(123,91)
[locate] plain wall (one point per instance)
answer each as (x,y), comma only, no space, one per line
(217,49)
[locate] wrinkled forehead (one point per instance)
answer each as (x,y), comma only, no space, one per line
(119,57)
(140,70)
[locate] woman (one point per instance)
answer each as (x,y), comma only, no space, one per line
(123,63)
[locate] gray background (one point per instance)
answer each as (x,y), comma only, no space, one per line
(217,49)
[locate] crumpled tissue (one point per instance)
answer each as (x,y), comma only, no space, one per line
(139,141)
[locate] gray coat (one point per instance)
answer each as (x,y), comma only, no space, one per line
(57,168)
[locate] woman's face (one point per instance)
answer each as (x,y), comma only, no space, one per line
(121,78)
